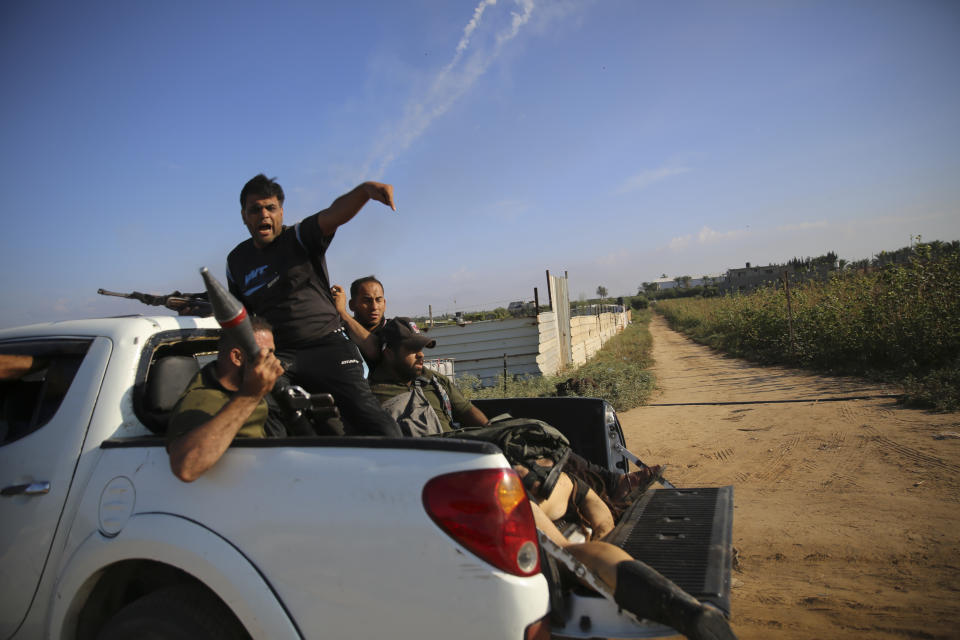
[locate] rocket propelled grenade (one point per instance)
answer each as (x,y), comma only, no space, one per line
(230,314)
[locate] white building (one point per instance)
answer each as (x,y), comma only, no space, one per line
(664,283)
(707,280)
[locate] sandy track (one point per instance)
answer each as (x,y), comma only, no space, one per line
(847,517)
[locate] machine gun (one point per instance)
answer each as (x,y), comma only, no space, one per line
(299,404)
(193,304)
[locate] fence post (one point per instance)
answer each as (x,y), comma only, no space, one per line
(504,374)
(786,288)
(550,291)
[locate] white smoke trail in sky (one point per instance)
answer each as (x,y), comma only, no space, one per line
(519,19)
(450,83)
(468,30)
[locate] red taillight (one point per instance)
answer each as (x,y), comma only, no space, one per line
(487,511)
(539,630)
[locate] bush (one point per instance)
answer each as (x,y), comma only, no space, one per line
(523,386)
(625,385)
(939,389)
(700,291)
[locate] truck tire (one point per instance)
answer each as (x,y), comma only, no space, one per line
(177,611)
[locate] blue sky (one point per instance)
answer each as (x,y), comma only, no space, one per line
(612,139)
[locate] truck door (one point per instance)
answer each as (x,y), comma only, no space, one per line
(48,388)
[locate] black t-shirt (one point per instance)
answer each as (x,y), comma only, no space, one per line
(287,283)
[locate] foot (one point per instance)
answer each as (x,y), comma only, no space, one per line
(648,594)
(631,485)
(710,625)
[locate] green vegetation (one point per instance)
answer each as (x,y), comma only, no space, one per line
(896,320)
(617,373)
(515,386)
(692,292)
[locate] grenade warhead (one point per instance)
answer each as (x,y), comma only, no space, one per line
(230,314)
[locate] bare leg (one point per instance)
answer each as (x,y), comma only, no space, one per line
(598,514)
(640,589)
(600,557)
(593,509)
(555,505)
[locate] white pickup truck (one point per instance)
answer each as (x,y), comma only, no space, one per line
(292,537)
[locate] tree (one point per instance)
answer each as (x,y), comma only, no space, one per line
(859,265)
(602,292)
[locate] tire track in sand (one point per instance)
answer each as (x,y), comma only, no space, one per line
(839,506)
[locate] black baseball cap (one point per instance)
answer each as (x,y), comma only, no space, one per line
(404,332)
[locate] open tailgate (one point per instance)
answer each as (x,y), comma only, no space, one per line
(686,535)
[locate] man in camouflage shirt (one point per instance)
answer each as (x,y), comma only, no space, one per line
(421,400)
(225,400)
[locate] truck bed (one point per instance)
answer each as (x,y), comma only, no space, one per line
(685,534)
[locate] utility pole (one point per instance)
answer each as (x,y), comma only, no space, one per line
(786,288)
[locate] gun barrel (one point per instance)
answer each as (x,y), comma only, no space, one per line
(104,292)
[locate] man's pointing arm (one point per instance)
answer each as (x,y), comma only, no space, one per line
(349,204)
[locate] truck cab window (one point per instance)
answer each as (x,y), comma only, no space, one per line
(34,379)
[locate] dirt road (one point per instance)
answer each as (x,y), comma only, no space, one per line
(847,518)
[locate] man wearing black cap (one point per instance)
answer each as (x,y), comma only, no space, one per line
(422,401)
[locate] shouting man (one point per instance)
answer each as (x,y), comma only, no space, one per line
(281,274)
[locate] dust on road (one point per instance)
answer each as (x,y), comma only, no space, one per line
(847,516)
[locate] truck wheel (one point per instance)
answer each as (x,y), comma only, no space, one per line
(177,611)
